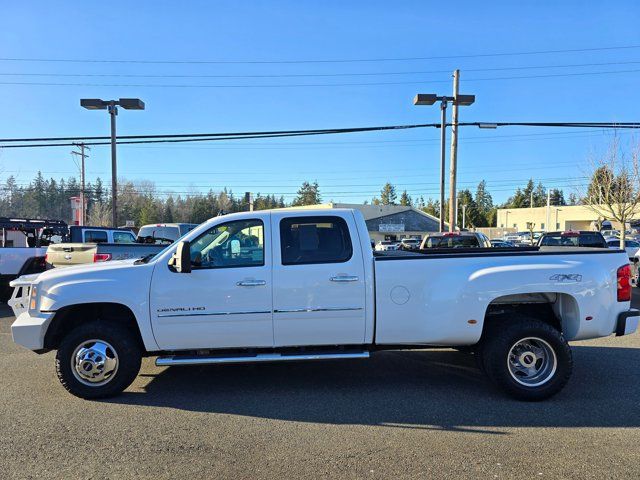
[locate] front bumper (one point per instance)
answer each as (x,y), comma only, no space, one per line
(29,331)
(627,322)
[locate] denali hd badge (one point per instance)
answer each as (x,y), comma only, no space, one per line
(566,277)
(180,309)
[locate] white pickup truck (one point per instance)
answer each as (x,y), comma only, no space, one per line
(287,285)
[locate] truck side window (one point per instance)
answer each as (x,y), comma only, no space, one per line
(123,237)
(307,240)
(231,244)
(95,236)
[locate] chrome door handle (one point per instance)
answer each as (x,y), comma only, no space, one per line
(344,278)
(251,283)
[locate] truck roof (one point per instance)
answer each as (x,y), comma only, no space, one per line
(294,212)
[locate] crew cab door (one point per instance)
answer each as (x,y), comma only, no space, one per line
(318,280)
(225,301)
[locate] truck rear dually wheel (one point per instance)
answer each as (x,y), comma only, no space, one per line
(98,359)
(527,358)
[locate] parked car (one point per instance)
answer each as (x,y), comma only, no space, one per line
(124,245)
(512,238)
(497,243)
(283,285)
(630,246)
(456,240)
(582,238)
(386,245)
(409,244)
(24,245)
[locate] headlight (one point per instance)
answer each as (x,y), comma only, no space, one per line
(33,299)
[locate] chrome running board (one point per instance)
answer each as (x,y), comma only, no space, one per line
(260,357)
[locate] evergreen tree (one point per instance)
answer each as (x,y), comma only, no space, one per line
(388,194)
(473,215)
(98,191)
(432,208)
(405,199)
(169,207)
(557,197)
(483,198)
(308,194)
(539,196)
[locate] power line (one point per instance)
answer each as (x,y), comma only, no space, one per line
(307,75)
(199,137)
(254,134)
(306,85)
(301,61)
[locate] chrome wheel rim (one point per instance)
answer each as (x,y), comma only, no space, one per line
(94,362)
(532,362)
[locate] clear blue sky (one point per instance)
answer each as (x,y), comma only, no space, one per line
(348,168)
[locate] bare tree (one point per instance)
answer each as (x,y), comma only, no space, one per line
(614,190)
(100,215)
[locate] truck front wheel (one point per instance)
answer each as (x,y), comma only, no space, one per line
(98,360)
(527,358)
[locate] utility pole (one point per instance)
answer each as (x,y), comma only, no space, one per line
(453,214)
(83,197)
(248,196)
(443,141)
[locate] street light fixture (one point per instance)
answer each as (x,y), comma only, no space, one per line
(430,99)
(112,106)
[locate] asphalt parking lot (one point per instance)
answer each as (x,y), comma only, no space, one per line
(421,414)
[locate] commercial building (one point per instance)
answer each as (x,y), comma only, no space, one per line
(553,218)
(390,222)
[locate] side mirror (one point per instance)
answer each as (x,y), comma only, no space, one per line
(182,258)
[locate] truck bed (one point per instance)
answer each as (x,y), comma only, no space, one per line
(488,252)
(444,301)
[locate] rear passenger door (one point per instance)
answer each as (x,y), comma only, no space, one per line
(318,281)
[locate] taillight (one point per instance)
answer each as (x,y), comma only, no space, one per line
(624,283)
(101,257)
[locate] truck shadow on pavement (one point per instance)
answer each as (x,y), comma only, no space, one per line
(436,389)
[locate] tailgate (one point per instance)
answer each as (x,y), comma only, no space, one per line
(128,251)
(68,254)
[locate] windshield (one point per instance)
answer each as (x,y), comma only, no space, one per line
(158,234)
(454,241)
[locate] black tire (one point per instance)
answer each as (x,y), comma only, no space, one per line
(120,339)
(499,339)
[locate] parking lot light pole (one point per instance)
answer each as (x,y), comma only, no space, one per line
(430,99)
(112,107)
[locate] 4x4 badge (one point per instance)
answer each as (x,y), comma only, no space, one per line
(566,277)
